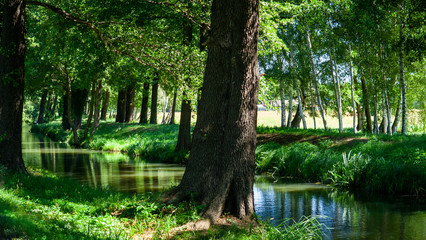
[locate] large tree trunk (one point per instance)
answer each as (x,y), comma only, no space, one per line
(154,99)
(130,103)
(144,105)
(220,169)
(65,103)
(121,106)
(314,75)
(184,136)
(12,82)
(42,107)
(105,103)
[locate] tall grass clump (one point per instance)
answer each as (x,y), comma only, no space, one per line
(349,173)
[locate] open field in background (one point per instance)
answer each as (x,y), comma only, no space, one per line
(273,119)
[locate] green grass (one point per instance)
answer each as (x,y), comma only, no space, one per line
(152,142)
(378,164)
(44,206)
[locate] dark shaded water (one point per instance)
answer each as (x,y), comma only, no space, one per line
(344,216)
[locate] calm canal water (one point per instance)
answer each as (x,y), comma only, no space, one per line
(343,215)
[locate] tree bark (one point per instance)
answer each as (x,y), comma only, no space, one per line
(314,75)
(42,107)
(220,169)
(184,136)
(53,110)
(105,103)
(12,83)
(144,105)
(130,103)
(121,106)
(154,99)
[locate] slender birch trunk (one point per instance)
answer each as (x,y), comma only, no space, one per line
(290,106)
(282,98)
(324,120)
(336,82)
(352,89)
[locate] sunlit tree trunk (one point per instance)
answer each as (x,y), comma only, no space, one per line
(353,90)
(314,75)
(290,106)
(282,98)
(336,83)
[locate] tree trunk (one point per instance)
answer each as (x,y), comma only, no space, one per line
(12,83)
(65,103)
(220,169)
(172,118)
(68,112)
(144,105)
(184,136)
(166,104)
(91,104)
(353,91)
(360,126)
(154,98)
(337,91)
(282,98)
(366,103)
(78,103)
(105,103)
(397,114)
(53,110)
(314,75)
(301,106)
(97,109)
(42,107)
(295,123)
(130,103)
(313,104)
(402,81)
(121,106)
(290,106)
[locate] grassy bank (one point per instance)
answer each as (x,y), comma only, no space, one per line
(378,164)
(370,163)
(44,206)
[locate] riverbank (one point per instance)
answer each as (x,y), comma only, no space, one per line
(44,206)
(369,163)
